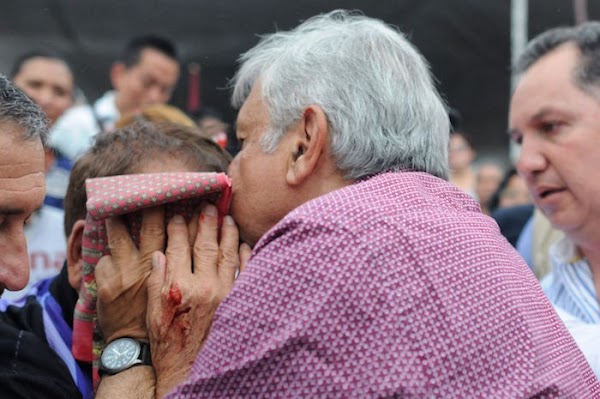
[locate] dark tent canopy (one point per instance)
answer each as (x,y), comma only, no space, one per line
(467,42)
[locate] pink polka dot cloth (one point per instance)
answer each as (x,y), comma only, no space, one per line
(127,195)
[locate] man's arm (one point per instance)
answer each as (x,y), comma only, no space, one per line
(119,385)
(122,297)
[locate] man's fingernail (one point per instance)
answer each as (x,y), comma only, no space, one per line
(246,247)
(210,210)
(178,219)
(229,220)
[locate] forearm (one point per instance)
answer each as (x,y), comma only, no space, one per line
(120,385)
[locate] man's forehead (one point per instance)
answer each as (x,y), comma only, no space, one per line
(541,89)
(559,62)
(253,110)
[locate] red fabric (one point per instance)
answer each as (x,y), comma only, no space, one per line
(194,100)
(127,195)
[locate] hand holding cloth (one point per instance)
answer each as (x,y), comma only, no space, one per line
(127,195)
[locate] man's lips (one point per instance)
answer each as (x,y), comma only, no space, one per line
(543,192)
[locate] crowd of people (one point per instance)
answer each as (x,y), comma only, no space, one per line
(355,246)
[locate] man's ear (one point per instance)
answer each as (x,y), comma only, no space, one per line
(74,254)
(117,73)
(309,145)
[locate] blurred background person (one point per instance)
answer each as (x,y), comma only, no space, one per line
(511,206)
(489,177)
(460,157)
(512,191)
(159,113)
(47,79)
(211,121)
(145,74)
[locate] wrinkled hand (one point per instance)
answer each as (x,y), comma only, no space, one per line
(182,302)
(121,277)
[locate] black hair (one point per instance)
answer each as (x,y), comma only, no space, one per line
(132,53)
(494,201)
(22,60)
(586,37)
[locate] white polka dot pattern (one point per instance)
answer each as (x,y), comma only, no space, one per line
(396,286)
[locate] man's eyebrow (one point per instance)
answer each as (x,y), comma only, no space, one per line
(545,111)
(540,114)
(534,118)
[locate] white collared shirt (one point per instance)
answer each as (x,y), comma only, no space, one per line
(570,288)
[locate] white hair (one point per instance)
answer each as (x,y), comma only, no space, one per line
(375,88)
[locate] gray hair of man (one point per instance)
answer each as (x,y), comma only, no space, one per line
(587,39)
(375,88)
(17,108)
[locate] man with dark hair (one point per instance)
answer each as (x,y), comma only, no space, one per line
(23,134)
(132,53)
(47,79)
(145,74)
(555,118)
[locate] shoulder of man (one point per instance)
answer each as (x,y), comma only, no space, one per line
(29,368)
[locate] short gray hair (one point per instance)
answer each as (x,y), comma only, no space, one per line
(376,89)
(17,108)
(586,37)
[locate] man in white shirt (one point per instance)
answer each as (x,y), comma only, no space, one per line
(146,74)
(555,117)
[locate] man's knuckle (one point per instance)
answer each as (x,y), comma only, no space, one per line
(229,256)
(116,243)
(105,292)
(153,229)
(206,250)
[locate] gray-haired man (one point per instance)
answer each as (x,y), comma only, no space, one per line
(23,132)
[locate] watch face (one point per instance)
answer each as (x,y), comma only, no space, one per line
(120,354)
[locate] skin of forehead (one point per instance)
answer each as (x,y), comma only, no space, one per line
(50,68)
(14,165)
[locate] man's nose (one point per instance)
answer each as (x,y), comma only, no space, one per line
(156,95)
(531,158)
(43,97)
(14,261)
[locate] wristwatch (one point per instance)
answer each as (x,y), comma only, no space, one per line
(124,353)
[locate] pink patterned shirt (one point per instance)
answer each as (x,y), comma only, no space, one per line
(396,286)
